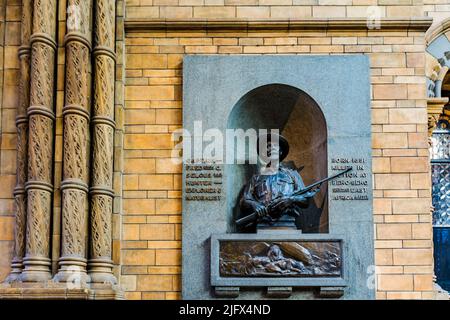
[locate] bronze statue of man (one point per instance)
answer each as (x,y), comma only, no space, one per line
(270,193)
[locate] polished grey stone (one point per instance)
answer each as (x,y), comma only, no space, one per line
(340,85)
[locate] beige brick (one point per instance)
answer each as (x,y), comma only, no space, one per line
(294,12)
(7,182)
(394,231)
(156,182)
(164,270)
(132,295)
(399,218)
(413,257)
(260,49)
(390,282)
(146,61)
(172,12)
(383,257)
(168,206)
(154,282)
(380,116)
(382,206)
(381,165)
(417,91)
(409,164)
(400,193)
(253,12)
(403,295)
(138,257)
(139,166)
(404,11)
(387,60)
(280,41)
(420,181)
(410,206)
(389,140)
(139,206)
(392,181)
(142,12)
(328,11)
(390,91)
(214,12)
(157,232)
(168,116)
(164,165)
(388,244)
(419,269)
(130,232)
(130,182)
(168,257)
(422,231)
(418,243)
(407,115)
(389,269)
(128,283)
(139,116)
(148,141)
(149,92)
(164,244)
(6,228)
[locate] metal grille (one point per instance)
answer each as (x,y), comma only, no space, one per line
(440,168)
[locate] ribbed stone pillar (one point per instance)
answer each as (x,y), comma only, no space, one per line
(41,117)
(100,263)
(76,114)
(22,142)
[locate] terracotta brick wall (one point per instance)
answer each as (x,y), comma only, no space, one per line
(152,204)
(261,9)
(150,230)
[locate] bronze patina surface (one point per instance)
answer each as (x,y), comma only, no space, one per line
(280,259)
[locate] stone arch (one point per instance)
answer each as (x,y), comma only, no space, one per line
(437,42)
(301,120)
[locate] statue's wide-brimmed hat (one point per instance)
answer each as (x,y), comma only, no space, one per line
(282,142)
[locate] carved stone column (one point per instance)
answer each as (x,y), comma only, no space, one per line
(76,113)
(434,109)
(22,142)
(100,263)
(40,142)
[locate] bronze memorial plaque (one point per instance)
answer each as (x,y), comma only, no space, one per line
(280,259)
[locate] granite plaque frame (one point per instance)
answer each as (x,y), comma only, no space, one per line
(219,280)
(340,85)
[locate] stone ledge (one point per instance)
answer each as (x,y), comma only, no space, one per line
(392,24)
(58,291)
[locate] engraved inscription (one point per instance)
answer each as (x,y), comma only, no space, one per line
(203,180)
(352,185)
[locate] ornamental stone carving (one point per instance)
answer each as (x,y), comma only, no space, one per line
(76,113)
(40,142)
(20,198)
(100,263)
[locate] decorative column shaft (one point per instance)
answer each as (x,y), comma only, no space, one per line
(100,263)
(76,114)
(40,142)
(22,142)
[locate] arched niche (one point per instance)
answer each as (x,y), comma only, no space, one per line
(298,118)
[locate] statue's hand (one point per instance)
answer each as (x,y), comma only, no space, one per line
(261,211)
